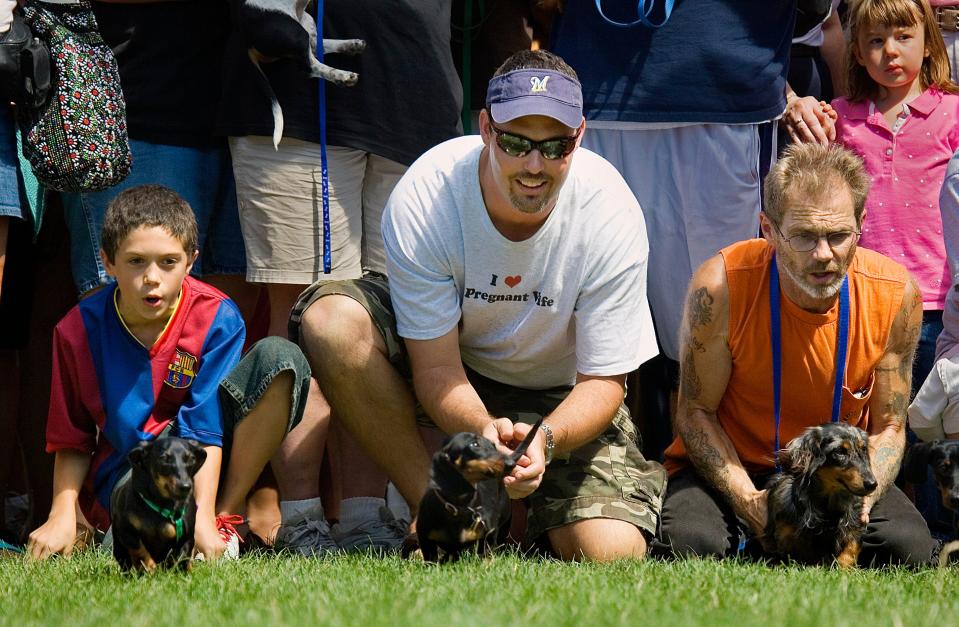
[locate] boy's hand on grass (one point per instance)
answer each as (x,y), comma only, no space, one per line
(57,535)
(207,539)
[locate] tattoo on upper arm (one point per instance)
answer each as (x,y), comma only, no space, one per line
(700,308)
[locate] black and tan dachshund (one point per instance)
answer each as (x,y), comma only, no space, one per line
(943,457)
(154,513)
(466,504)
(815,504)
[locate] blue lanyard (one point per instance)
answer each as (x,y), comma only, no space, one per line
(324,169)
(842,343)
(643,8)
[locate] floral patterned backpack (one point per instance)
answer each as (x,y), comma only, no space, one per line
(77,141)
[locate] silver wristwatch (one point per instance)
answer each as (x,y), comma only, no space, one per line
(550,443)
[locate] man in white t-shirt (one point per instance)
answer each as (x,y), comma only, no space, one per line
(517,282)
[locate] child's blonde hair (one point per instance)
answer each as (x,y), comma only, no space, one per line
(864,13)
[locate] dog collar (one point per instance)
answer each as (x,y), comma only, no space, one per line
(174,516)
(455,511)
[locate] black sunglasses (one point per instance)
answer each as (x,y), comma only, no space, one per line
(518,146)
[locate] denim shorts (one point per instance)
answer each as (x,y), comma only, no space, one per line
(9,174)
(242,389)
(203,176)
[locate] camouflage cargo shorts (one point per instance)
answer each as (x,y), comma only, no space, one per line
(607,478)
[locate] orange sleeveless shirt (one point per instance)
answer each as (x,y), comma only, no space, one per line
(876,286)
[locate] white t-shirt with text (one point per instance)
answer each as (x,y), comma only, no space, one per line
(571,298)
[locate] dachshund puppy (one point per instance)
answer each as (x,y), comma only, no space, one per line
(466,504)
(815,504)
(282,29)
(154,512)
(943,456)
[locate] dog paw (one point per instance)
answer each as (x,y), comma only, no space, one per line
(343,46)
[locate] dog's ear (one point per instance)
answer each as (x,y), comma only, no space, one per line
(916,466)
(799,456)
(199,456)
(139,452)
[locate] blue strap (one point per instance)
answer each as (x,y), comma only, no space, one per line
(777,351)
(842,344)
(644,8)
(324,169)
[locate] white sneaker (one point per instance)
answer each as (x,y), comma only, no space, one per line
(226,525)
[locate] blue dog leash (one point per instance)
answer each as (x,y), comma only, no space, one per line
(842,342)
(644,8)
(324,168)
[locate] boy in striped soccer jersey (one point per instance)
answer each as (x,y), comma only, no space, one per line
(158,353)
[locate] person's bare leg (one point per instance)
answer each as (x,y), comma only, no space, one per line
(263,502)
(245,295)
(598,540)
(255,440)
(360,476)
(296,464)
(349,360)
(282,298)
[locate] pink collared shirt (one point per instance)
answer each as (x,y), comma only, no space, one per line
(907,169)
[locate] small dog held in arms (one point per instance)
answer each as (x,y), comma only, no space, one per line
(815,503)
(154,513)
(943,457)
(466,504)
(283,29)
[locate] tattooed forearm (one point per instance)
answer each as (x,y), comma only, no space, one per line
(897,405)
(711,464)
(692,387)
(705,456)
(885,467)
(700,308)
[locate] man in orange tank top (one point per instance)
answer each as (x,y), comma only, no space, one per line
(727,421)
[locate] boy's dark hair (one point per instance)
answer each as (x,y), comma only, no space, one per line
(536,60)
(147,205)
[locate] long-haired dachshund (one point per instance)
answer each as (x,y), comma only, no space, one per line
(815,504)
(466,504)
(943,457)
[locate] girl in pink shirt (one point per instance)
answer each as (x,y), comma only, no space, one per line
(901,117)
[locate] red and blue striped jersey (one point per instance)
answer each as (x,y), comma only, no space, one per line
(108,391)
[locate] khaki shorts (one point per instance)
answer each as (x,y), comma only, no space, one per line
(607,478)
(279,193)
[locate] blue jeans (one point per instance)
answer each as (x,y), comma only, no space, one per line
(9,174)
(202,176)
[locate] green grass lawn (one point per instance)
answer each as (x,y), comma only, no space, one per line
(505,590)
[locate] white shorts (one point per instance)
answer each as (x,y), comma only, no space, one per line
(279,193)
(699,188)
